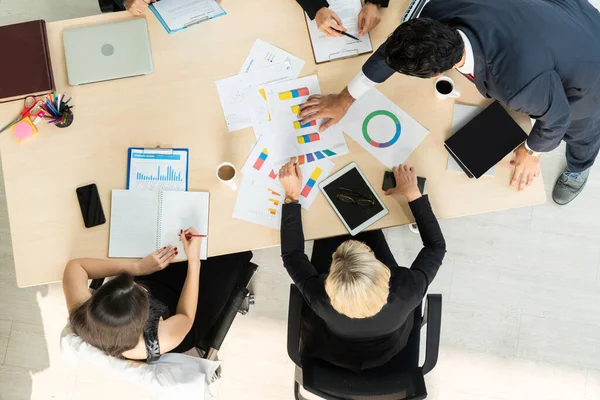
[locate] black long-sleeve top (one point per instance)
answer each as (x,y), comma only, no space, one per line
(374,340)
(312,6)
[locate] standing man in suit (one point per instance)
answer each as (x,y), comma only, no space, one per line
(539,57)
(329,23)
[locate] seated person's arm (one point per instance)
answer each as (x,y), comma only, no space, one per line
(370,16)
(327,20)
(78,271)
(430,258)
(136,7)
(295,260)
(173,330)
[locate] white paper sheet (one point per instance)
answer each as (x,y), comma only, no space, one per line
(133,223)
(331,48)
(312,175)
(259,203)
(461,116)
(179,14)
(289,138)
(233,91)
(383,129)
(181,210)
(259,164)
(264,54)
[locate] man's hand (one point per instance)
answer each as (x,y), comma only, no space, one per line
(526,168)
(137,7)
(290,177)
(406,183)
(368,18)
(332,106)
(328,22)
(156,261)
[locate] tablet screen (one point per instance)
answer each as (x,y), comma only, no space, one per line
(354,214)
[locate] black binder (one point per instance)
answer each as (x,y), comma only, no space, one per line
(485,140)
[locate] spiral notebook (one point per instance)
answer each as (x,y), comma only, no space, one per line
(142,222)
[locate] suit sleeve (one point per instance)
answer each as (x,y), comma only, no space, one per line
(295,261)
(430,258)
(544,99)
(312,6)
(376,69)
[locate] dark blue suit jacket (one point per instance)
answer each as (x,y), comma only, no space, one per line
(539,57)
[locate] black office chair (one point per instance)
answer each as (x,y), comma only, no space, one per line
(239,301)
(110,5)
(401,378)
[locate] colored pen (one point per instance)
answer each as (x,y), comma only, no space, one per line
(347,34)
(187,235)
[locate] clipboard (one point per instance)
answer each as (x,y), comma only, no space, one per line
(143,168)
(339,53)
(187,25)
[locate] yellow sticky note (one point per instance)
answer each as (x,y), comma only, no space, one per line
(23,130)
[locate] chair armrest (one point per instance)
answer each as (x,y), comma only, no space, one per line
(433,316)
(227,317)
(294,324)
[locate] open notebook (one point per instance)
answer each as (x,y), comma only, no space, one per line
(142,222)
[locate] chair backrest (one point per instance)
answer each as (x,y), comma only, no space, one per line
(173,375)
(401,378)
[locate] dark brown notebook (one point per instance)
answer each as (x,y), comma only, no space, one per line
(26,68)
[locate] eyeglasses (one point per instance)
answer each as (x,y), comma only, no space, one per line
(353,197)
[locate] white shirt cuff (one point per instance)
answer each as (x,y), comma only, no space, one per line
(360,85)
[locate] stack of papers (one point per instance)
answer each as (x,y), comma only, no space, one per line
(266,95)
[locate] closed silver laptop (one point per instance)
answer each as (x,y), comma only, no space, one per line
(107,51)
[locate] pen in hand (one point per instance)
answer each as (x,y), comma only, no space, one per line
(347,34)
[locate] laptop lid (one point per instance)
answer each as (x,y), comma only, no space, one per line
(107,51)
(485,140)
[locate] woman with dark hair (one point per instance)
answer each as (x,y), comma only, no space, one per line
(149,309)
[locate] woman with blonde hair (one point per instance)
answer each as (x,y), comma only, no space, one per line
(363,299)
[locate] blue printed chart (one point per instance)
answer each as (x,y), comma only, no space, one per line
(158,169)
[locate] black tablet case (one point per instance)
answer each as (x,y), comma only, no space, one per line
(485,140)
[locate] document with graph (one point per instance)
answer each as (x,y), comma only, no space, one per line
(293,138)
(157,169)
(142,222)
(326,48)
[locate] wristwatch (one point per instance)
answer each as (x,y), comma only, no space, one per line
(529,151)
(289,200)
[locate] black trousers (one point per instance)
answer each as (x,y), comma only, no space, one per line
(583,143)
(218,279)
(323,249)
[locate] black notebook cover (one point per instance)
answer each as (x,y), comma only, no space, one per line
(485,140)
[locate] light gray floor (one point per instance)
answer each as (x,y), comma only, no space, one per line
(521,294)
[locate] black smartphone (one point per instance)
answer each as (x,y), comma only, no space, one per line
(91,207)
(389,182)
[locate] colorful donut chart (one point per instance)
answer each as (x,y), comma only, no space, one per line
(366,132)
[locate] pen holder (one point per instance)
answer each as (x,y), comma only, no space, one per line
(67,118)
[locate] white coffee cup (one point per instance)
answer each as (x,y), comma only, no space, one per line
(444,88)
(226,173)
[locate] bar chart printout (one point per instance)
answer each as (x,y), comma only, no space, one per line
(158,169)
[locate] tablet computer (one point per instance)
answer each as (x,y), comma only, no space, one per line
(353,198)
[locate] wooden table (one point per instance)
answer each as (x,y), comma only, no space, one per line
(178,106)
